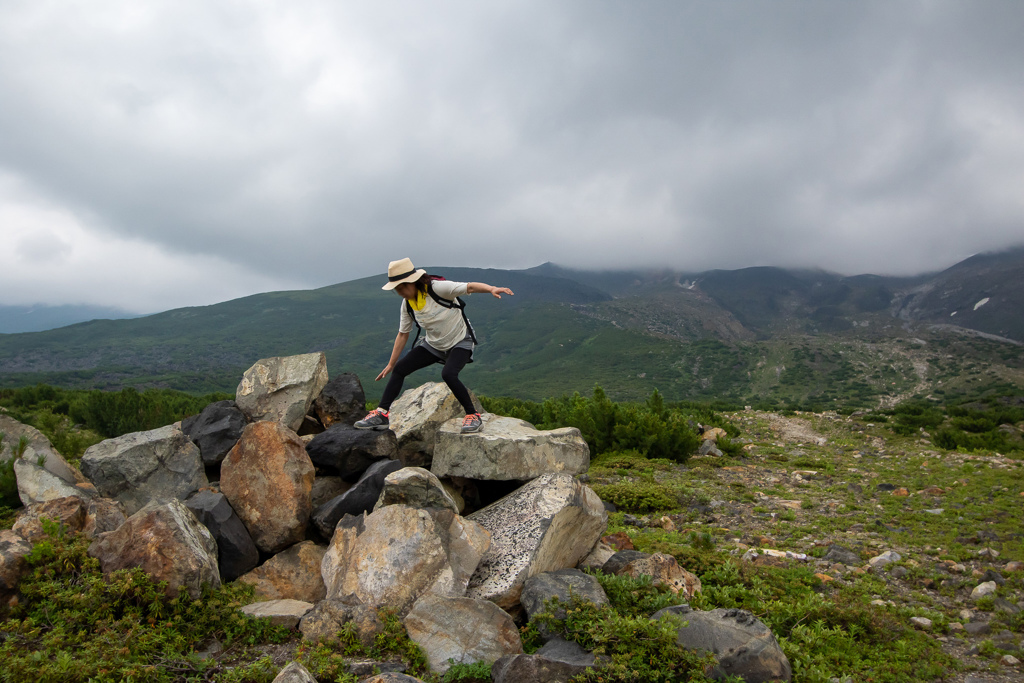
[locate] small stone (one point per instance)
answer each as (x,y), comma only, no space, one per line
(901,492)
(956,627)
(285,613)
(824,578)
(1009,660)
(886,558)
(983,589)
(977,628)
(921,623)
(1014,566)
(294,673)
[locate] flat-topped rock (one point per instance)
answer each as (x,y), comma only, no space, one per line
(293,574)
(282,389)
(548,524)
(507,448)
(155,465)
(285,613)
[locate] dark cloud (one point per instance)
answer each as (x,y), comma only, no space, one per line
(306,143)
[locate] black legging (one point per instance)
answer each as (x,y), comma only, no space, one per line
(419,358)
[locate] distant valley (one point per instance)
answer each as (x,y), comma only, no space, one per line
(768,336)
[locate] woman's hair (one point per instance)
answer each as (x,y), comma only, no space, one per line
(422,283)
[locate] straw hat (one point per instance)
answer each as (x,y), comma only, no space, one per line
(402,271)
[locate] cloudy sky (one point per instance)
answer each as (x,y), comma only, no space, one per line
(183,152)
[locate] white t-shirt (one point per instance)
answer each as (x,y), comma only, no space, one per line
(443,327)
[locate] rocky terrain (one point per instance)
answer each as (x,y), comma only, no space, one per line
(826,547)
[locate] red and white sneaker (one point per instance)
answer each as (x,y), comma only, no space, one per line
(471,423)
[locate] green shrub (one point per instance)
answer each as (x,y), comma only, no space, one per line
(636,648)
(468,673)
(8,482)
(639,496)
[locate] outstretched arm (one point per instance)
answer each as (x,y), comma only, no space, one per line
(479,288)
(400,341)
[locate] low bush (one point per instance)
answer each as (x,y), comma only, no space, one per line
(638,496)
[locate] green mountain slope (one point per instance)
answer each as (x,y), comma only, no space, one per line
(758,335)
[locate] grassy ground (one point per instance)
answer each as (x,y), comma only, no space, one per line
(809,481)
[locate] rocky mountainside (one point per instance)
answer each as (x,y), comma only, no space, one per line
(750,335)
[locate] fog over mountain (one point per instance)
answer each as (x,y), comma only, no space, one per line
(182,153)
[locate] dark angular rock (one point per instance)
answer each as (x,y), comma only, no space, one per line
(886,487)
(341,401)
(837,553)
(557,662)
(743,645)
(357,500)
(349,452)
(619,560)
(563,584)
(215,430)
(977,628)
(993,575)
(236,552)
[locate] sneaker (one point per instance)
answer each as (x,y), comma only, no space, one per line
(471,423)
(376,419)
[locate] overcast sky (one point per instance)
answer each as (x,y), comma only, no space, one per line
(182,152)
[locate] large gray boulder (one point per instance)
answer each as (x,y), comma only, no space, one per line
(415,487)
(361,498)
(341,401)
(36,484)
(743,645)
(267,477)
(349,451)
(461,631)
(282,389)
(236,553)
(398,554)
(167,542)
(52,461)
(157,465)
(507,448)
(548,524)
(215,430)
(557,662)
(418,414)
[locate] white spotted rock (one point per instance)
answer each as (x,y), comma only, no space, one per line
(548,524)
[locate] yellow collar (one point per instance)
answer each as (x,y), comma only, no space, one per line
(419,302)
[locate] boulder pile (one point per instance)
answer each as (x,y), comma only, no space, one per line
(460,534)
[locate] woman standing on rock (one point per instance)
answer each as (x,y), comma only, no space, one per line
(431,304)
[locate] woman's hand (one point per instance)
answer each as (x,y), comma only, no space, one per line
(496,292)
(385,372)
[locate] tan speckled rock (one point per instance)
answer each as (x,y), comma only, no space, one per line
(167,542)
(293,574)
(397,554)
(664,571)
(268,478)
(461,631)
(550,523)
(282,389)
(507,448)
(13,549)
(69,512)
